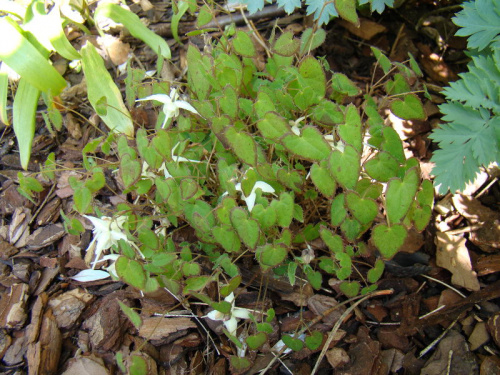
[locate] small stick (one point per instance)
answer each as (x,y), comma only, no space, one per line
(437,340)
(336,327)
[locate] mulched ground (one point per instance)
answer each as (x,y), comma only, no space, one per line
(443,316)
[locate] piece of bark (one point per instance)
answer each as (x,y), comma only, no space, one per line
(13,306)
(68,306)
(107,325)
(15,353)
(45,236)
(50,212)
(43,355)
(48,274)
(158,328)
(5,341)
(33,329)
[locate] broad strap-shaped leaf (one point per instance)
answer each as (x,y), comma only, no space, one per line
(26,60)
(103,94)
(24,114)
(134,25)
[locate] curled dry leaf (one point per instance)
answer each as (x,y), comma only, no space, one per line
(90,365)
(452,254)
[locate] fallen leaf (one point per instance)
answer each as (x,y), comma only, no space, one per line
(452,356)
(479,336)
(90,365)
(158,328)
(367,29)
(452,254)
(337,357)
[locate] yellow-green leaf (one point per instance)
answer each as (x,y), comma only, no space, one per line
(101,88)
(20,55)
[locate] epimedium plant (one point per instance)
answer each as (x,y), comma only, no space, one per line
(260,161)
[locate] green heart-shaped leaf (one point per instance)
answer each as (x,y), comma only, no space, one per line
(350,289)
(271,256)
(229,102)
(347,10)
(310,145)
(400,195)
(338,211)
(421,217)
(292,343)
(363,209)
(243,44)
(314,341)
(350,131)
(227,238)
(389,240)
(273,126)
(351,228)
(130,170)
(256,341)
(265,216)
(284,209)
(382,167)
(376,272)
(131,272)
(410,108)
(242,144)
(247,229)
(345,166)
(286,45)
(392,144)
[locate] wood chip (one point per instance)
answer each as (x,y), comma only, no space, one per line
(68,306)
(43,356)
(45,236)
(13,306)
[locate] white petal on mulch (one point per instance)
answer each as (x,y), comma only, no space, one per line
(90,275)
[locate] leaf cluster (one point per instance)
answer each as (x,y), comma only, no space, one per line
(471,138)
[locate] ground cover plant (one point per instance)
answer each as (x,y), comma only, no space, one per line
(261,166)
(260,163)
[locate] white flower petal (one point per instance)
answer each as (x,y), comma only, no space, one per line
(230,298)
(264,186)
(90,275)
(250,200)
(240,312)
(231,325)
(296,130)
(163,98)
(185,105)
(215,315)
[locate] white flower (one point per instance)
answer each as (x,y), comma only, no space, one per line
(171,104)
(230,320)
(250,200)
(295,125)
(107,232)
